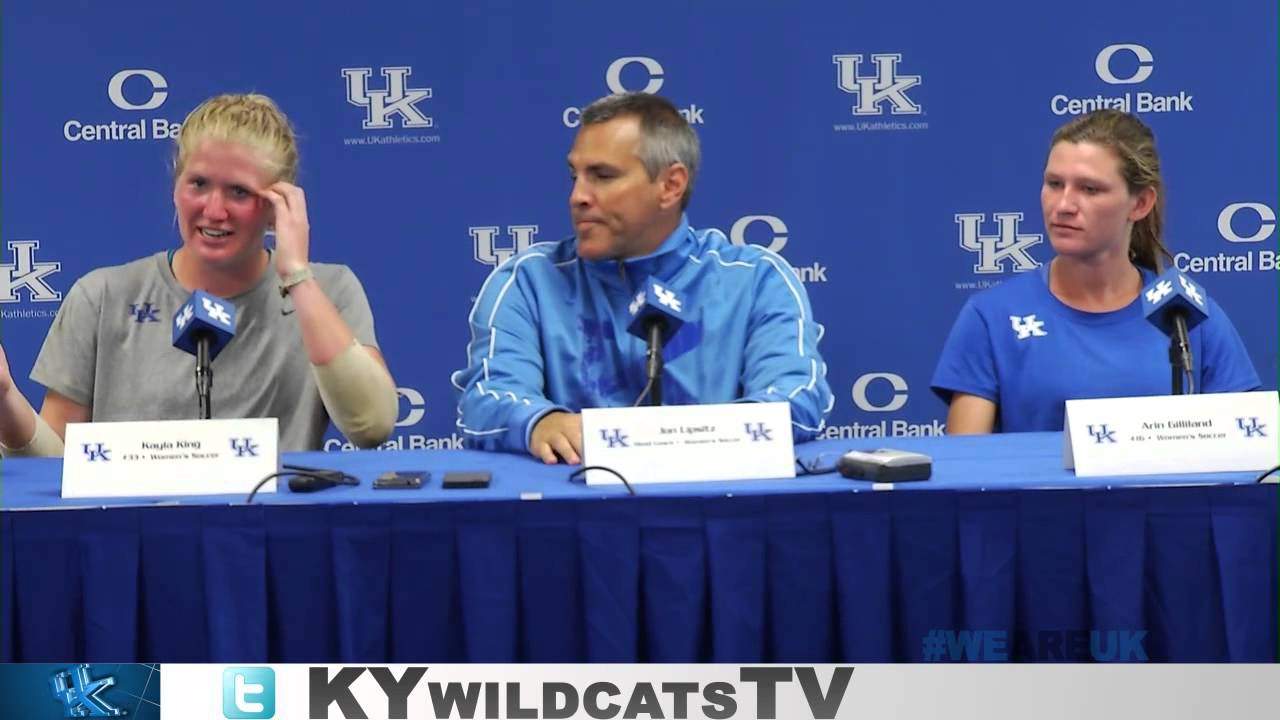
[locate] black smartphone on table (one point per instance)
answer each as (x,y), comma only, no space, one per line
(401,480)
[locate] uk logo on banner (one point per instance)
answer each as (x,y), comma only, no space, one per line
(26,273)
(395,100)
(1008,247)
(885,87)
(490,250)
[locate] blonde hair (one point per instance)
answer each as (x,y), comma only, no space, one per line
(251,120)
(1135,146)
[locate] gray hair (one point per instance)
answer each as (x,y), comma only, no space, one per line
(665,137)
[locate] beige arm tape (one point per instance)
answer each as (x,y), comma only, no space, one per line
(45,443)
(359,395)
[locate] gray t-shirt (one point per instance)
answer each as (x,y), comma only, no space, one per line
(111,349)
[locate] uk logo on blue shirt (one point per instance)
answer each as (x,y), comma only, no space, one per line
(1027,326)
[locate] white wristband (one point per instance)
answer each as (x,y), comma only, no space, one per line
(297,277)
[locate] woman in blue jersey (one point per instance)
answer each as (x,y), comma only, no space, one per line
(1075,327)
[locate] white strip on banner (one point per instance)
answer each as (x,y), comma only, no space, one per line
(677,692)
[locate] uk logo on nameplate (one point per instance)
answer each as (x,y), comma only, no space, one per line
(1172,434)
(689,443)
(169,457)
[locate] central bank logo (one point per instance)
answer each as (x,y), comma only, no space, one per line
(777,239)
(635,73)
(79,693)
(1242,224)
(248,693)
(897,392)
(1007,245)
(884,85)
(416,407)
(156,92)
(771,233)
(395,99)
(1249,214)
(487,248)
(134,90)
(26,272)
(1124,64)
(652,68)
(1141,66)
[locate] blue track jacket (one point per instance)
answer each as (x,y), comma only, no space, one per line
(549,332)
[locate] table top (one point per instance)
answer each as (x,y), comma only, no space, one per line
(1011,461)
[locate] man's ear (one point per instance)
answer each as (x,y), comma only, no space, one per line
(673,181)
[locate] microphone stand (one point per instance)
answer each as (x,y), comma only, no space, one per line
(653,362)
(204,377)
(1179,352)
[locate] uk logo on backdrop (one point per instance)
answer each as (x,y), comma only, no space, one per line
(771,233)
(25,278)
(1124,70)
(495,244)
(634,73)
(1244,227)
(1007,249)
(879,85)
(390,101)
(134,93)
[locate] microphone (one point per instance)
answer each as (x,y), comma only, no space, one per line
(657,313)
(203,326)
(1175,305)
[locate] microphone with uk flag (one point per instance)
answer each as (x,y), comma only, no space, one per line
(202,327)
(1176,304)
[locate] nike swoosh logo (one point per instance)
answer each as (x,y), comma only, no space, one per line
(287,312)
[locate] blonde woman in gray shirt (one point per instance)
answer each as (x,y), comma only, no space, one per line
(305,351)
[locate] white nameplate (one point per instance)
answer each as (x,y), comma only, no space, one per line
(688,443)
(169,457)
(1170,434)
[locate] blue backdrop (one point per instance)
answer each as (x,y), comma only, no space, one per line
(891,152)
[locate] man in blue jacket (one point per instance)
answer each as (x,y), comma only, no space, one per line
(549,327)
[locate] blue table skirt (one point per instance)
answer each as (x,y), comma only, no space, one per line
(790,577)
